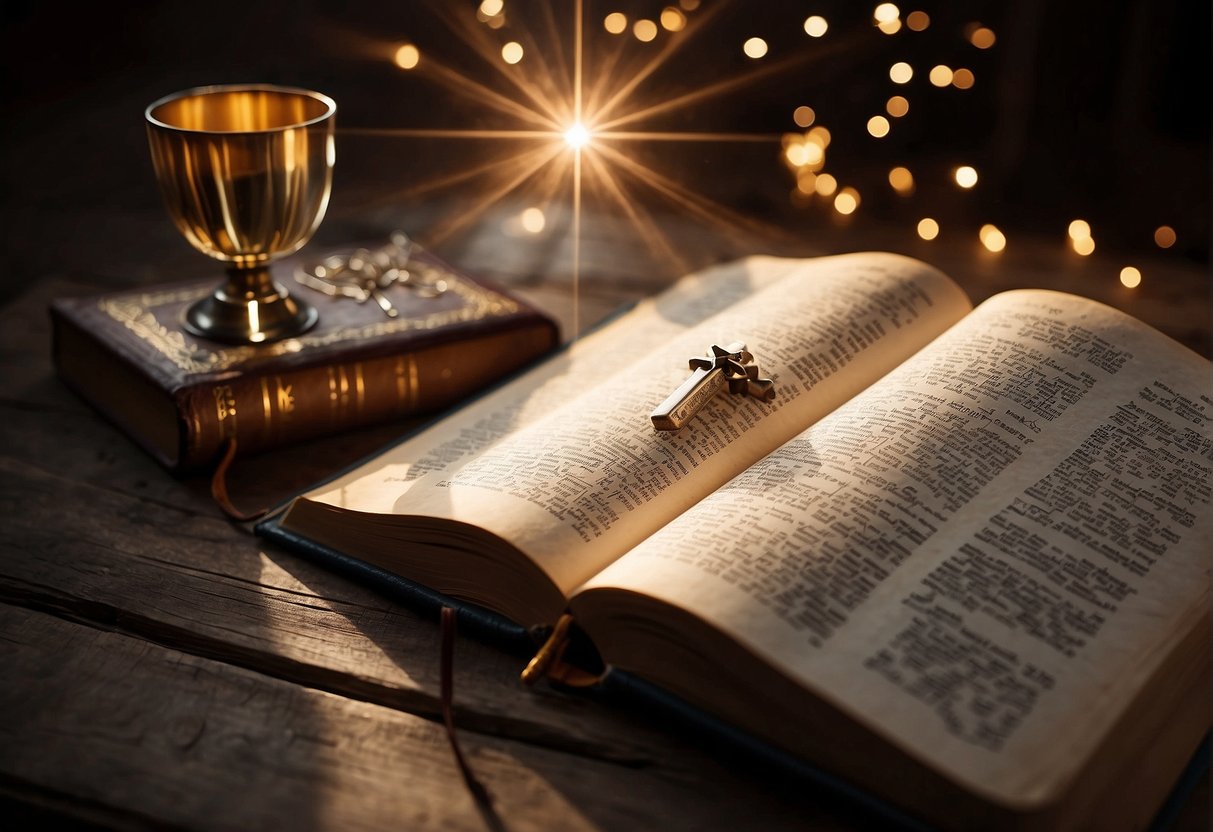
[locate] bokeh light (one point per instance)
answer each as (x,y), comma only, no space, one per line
(981,37)
(797,153)
(1080,237)
(1130,277)
(616,23)
(918,21)
(878,126)
(532,220)
(963,79)
(491,13)
(511,52)
(847,201)
(644,30)
(1164,236)
(826,184)
(901,73)
(993,239)
(815,26)
(754,48)
(897,106)
(885,12)
(902,180)
(928,228)
(407,56)
(672,20)
(803,115)
(819,136)
(965,176)
(941,76)
(886,16)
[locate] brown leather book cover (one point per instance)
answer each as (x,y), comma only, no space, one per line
(182,397)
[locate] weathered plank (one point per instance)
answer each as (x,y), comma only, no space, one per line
(187,582)
(116,730)
(190,581)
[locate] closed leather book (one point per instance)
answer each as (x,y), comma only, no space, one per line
(183,398)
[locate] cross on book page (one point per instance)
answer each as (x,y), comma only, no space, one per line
(731,366)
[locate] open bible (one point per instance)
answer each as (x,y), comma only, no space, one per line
(961,559)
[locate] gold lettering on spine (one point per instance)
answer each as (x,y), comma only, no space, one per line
(225,410)
(344,381)
(414,383)
(359,388)
(267,409)
(401,386)
(279,403)
(333,402)
(286,396)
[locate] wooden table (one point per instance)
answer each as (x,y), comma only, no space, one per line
(162,667)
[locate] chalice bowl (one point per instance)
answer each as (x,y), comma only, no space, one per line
(246,173)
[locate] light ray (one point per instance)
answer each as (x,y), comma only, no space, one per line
(442,133)
(645,136)
(459,83)
(583,136)
(483,46)
(492,196)
(556,49)
(576,239)
(639,218)
(672,46)
(718,88)
(712,212)
(493,166)
(605,71)
(577,56)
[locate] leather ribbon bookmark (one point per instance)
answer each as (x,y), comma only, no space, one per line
(484,802)
(219,488)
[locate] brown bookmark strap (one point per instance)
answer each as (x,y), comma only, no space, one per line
(484,802)
(537,667)
(219,488)
(549,661)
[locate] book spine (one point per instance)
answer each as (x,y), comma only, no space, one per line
(261,411)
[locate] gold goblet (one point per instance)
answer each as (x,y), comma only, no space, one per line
(246,173)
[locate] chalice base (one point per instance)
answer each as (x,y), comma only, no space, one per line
(251,308)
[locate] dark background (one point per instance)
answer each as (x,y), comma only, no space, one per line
(1092,110)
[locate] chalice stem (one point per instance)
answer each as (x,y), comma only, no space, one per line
(251,283)
(250,307)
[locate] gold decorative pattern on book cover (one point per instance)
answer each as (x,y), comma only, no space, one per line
(138,314)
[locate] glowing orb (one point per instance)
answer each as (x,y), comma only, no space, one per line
(577,136)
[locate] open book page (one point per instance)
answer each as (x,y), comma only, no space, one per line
(376,486)
(982,557)
(582,485)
